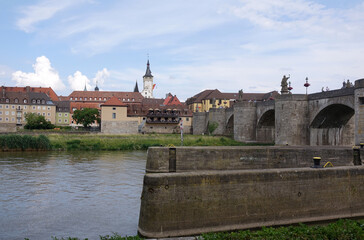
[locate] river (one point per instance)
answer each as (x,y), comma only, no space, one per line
(64,194)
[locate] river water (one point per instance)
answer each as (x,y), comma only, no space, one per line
(63,194)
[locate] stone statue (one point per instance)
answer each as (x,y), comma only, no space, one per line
(240,95)
(284,85)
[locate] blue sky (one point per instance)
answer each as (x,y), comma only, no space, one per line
(192,45)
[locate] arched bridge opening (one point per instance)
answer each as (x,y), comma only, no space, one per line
(266,127)
(333,125)
(229,129)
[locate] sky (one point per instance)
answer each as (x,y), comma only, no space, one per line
(192,45)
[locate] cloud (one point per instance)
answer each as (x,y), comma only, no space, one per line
(44,75)
(78,81)
(101,76)
(44,10)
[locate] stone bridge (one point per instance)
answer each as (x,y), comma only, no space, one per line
(326,118)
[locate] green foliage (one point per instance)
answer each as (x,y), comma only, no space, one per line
(35,121)
(340,230)
(133,142)
(25,142)
(211,127)
(86,116)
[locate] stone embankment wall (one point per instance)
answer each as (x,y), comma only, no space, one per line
(121,127)
(234,158)
(182,196)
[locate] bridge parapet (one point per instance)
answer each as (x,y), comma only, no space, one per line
(332,94)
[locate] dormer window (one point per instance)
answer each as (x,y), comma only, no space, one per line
(7,100)
(43,101)
(25,101)
(34,101)
(38,101)
(16,100)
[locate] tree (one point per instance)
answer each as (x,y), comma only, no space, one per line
(86,116)
(211,127)
(35,121)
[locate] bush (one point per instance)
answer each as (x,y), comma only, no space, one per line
(211,127)
(26,142)
(35,121)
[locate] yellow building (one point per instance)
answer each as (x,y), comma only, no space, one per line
(14,106)
(114,118)
(205,100)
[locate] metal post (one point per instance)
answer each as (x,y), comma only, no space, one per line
(181,127)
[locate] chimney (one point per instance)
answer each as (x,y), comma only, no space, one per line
(3,92)
(27,88)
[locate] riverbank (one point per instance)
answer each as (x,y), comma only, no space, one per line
(96,142)
(340,230)
(134,142)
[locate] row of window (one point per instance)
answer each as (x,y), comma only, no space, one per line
(60,120)
(25,107)
(6,119)
(100,99)
(39,101)
(60,114)
(19,113)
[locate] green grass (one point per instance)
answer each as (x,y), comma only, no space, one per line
(340,230)
(14,142)
(133,142)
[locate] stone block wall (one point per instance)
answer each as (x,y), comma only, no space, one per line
(239,158)
(245,120)
(122,127)
(217,115)
(291,120)
(199,123)
(359,111)
(179,204)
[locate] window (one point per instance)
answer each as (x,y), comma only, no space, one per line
(12,113)
(25,107)
(25,101)
(13,107)
(1,112)
(74,109)
(48,108)
(12,119)
(16,100)
(90,98)
(44,114)
(75,98)
(7,106)
(33,107)
(59,120)
(7,100)
(66,114)
(34,101)
(7,119)
(7,113)
(38,107)
(43,101)
(1,106)
(59,114)
(113,115)
(95,98)
(187,119)
(114,108)
(49,114)
(1,118)
(104,98)
(38,101)
(43,108)
(71,99)
(66,120)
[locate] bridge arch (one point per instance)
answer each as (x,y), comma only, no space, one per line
(229,126)
(333,125)
(266,127)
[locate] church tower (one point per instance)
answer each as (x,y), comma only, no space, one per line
(148,83)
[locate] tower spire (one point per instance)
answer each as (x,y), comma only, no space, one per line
(85,87)
(136,89)
(148,73)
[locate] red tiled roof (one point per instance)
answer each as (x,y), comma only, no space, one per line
(49,91)
(132,96)
(171,100)
(114,101)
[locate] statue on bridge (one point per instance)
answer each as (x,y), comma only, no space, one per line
(284,84)
(240,99)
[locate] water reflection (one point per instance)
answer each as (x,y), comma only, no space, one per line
(63,194)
